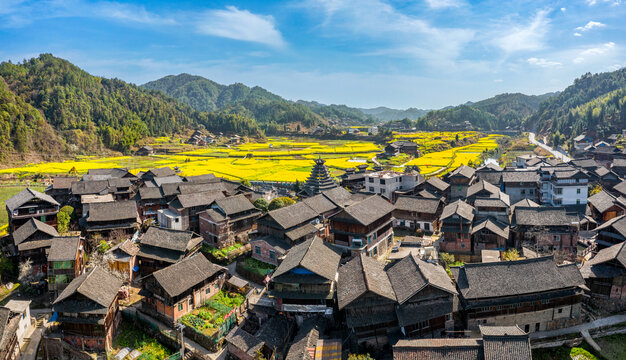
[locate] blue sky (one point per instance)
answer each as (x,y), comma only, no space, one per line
(366,53)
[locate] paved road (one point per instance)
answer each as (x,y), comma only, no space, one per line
(607,321)
(557,154)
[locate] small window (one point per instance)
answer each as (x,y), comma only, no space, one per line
(556,238)
(523,192)
(382,191)
(180,307)
(207,291)
(560,311)
(257,250)
(537,327)
(577,191)
(527,328)
(272,254)
(371,180)
(382,181)
(371,189)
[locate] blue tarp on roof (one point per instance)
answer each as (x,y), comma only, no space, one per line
(54,317)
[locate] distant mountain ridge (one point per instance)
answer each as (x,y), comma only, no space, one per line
(383,113)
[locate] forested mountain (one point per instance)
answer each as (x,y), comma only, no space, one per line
(594,104)
(496,113)
(382,113)
(272,112)
(89,113)
(341,114)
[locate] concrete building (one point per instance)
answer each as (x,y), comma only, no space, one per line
(386,182)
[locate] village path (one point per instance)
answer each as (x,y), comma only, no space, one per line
(557,154)
(30,353)
(606,321)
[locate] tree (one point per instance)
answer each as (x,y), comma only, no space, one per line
(297,187)
(261,204)
(259,355)
(594,190)
(6,266)
(246,183)
(280,202)
(64,219)
(447,259)
(360,357)
(511,255)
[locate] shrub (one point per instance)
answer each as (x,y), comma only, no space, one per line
(280,202)
(261,204)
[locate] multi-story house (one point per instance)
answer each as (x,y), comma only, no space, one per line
(534,294)
(123,259)
(417,213)
(605,273)
(149,201)
(32,241)
(490,173)
(544,229)
(604,206)
(187,208)
(30,204)
(581,142)
(489,234)
(618,166)
(269,249)
(481,189)
(387,182)
(66,261)
(19,311)
(305,281)
(563,185)
(460,180)
(425,295)
(106,217)
(161,247)
(227,220)
(292,224)
(497,207)
(364,227)
(366,299)
(180,288)
(456,225)
(87,310)
(611,232)
(520,185)
(61,189)
(604,177)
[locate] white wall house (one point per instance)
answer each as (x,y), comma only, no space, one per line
(564,186)
(169,219)
(386,182)
(21,307)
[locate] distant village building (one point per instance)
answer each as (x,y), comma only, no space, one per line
(354,178)
(417,213)
(145,150)
(66,261)
(460,180)
(544,229)
(227,220)
(456,225)
(30,204)
(160,248)
(563,186)
(32,241)
(387,182)
(581,142)
(605,273)
(404,147)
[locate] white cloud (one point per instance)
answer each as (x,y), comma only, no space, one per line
(526,38)
(129,13)
(397,34)
(591,53)
(542,62)
(590,25)
(563,9)
(442,4)
(612,2)
(498,80)
(233,23)
(578,34)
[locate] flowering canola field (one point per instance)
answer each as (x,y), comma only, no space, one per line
(278,159)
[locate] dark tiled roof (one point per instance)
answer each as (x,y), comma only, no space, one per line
(88,187)
(34,244)
(97,285)
(542,216)
(111,211)
(410,275)
(423,205)
(178,240)
(198,199)
(150,193)
(292,215)
(174,179)
(603,264)
(306,338)
(162,172)
(618,224)
(438,183)
(480,186)
(340,196)
(64,248)
(26,195)
(360,275)
(369,210)
(520,176)
(114,173)
(463,171)
(524,203)
(194,188)
(603,201)
(301,231)
(493,225)
(184,275)
(320,203)
(514,278)
(202,179)
(438,349)
(215,215)
(29,228)
(621,188)
(460,208)
(234,204)
(585,163)
(312,255)
(278,244)
(61,182)
(505,343)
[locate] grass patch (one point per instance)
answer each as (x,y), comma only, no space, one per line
(613,346)
(133,338)
(258,267)
(582,352)
(7,192)
(220,254)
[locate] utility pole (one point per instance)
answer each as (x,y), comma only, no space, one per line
(181,327)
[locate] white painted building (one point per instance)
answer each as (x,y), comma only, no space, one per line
(169,219)
(563,186)
(386,182)
(21,307)
(373,130)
